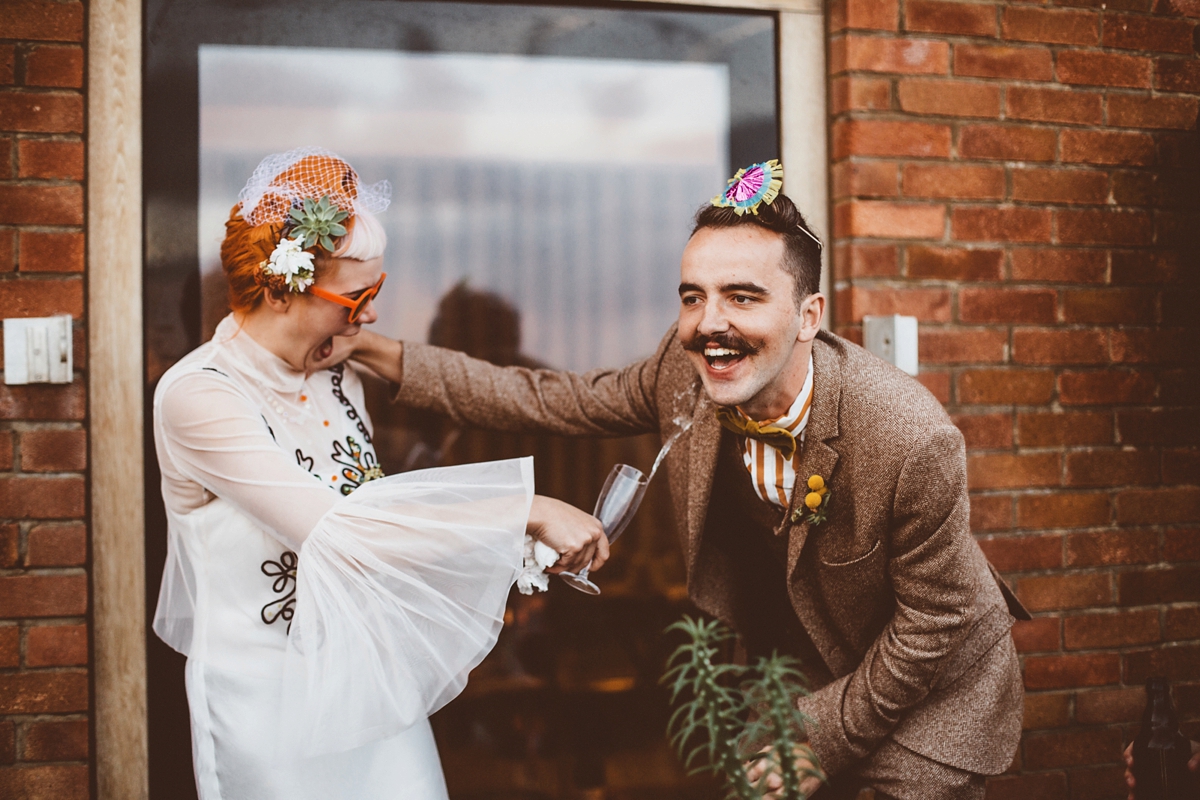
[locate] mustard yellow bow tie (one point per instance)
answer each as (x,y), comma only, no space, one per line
(779,438)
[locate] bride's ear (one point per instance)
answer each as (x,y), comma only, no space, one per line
(278,300)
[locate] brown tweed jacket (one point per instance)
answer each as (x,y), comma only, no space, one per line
(892,589)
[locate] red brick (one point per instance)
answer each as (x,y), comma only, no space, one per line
(1182,545)
(991,513)
(41,205)
(45,158)
(953,181)
(1013,470)
(1007,142)
(1129,32)
(1024,553)
(1106,706)
(1182,623)
(54,66)
(1103,69)
(1007,305)
(864,14)
(7,459)
(963,346)
(890,220)
(1158,506)
(10,546)
(904,56)
(1110,306)
(1139,111)
(1178,387)
(8,64)
(985,431)
(1000,224)
(1053,27)
(43,402)
(56,545)
(1045,710)
(949,98)
(1177,75)
(8,249)
(1110,467)
(1157,586)
(1060,186)
(1103,147)
(1053,105)
(936,16)
(1093,782)
(1058,265)
(10,646)
(56,646)
(29,112)
(937,384)
(60,740)
(1102,548)
(1181,466)
(57,782)
(1105,388)
(27,298)
(51,252)
(1120,629)
(1142,266)
(857,137)
(1063,510)
(1104,227)
(1176,662)
(41,498)
(1072,671)
(1037,786)
(1005,386)
(1070,748)
(1169,426)
(1041,346)
(866,179)
(54,451)
(43,692)
(863,260)
(955,263)
(1060,591)
(44,20)
(854,93)
(43,595)
(1071,428)
(1182,8)
(1036,635)
(987,61)
(927,305)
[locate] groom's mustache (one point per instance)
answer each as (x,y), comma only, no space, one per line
(728,340)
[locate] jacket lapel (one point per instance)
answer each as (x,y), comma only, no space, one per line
(702,467)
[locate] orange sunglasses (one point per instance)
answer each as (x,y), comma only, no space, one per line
(355,304)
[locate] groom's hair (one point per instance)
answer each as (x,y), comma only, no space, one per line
(802,256)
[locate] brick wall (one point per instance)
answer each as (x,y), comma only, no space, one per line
(1023,179)
(43,441)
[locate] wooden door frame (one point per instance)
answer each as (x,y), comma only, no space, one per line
(116,376)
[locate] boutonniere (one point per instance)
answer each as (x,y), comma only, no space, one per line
(816,501)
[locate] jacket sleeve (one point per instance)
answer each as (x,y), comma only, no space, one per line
(603,402)
(935,574)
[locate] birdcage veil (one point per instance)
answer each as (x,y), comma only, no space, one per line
(282,180)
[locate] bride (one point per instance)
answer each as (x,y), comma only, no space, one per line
(325,610)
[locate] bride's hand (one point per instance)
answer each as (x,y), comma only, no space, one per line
(575,535)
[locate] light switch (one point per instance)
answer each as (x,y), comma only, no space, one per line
(894,339)
(37,350)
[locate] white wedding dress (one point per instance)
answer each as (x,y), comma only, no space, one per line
(325,614)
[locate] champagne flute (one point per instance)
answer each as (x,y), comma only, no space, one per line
(618,502)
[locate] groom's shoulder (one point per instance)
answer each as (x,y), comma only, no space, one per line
(875,392)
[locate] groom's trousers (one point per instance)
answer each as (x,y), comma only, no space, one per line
(897,773)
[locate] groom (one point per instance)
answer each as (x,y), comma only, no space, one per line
(876,583)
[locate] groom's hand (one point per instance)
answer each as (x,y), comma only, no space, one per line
(1193,765)
(773,789)
(575,535)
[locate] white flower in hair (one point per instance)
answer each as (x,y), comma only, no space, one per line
(291,261)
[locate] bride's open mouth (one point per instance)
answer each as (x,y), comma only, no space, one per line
(325,350)
(722,358)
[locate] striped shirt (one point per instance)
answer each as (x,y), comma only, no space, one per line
(773,475)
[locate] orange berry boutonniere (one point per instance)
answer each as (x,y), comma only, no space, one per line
(816,501)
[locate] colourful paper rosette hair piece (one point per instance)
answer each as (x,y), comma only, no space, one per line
(756,184)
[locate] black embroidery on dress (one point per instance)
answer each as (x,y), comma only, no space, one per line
(306,462)
(269,430)
(214,369)
(358,465)
(284,573)
(338,371)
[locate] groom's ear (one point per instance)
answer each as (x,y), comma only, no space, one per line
(812,311)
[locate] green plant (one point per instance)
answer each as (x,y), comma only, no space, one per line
(727,706)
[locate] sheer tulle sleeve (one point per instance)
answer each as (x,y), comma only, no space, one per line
(210,434)
(400,592)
